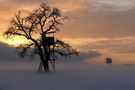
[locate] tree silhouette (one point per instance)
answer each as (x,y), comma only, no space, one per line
(36,27)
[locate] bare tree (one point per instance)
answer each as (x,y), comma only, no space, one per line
(36,28)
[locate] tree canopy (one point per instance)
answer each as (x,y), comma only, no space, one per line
(35,27)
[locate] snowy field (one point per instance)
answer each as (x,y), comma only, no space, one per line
(68,76)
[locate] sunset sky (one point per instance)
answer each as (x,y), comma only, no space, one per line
(107,26)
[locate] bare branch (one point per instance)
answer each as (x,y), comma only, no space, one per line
(35,27)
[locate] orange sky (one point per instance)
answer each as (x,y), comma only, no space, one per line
(103,25)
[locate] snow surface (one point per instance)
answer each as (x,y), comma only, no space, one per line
(68,76)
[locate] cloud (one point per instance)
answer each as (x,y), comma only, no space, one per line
(121,45)
(70,6)
(92,24)
(88,22)
(111,5)
(9,54)
(82,19)
(9,8)
(100,24)
(15,5)
(82,56)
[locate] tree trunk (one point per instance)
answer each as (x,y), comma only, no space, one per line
(46,54)
(46,65)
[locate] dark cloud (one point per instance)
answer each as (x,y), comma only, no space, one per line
(81,56)
(9,53)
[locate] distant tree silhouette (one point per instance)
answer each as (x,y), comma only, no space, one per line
(36,28)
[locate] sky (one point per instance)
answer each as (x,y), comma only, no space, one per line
(106,26)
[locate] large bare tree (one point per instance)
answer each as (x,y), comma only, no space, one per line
(35,27)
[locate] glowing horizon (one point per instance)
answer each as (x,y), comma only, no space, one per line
(15,41)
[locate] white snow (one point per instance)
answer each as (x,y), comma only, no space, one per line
(68,76)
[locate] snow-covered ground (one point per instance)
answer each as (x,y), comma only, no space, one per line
(68,76)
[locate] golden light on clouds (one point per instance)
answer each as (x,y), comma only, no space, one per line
(16,41)
(107,46)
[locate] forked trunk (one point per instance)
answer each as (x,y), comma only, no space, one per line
(46,65)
